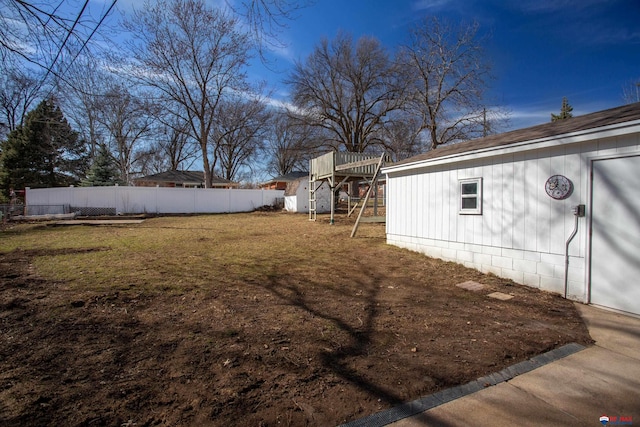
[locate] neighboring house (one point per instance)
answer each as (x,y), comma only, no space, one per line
(507,204)
(280,182)
(181,179)
(296,196)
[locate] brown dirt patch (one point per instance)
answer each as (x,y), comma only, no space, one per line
(297,347)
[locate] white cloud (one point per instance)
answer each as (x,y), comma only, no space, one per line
(280,104)
(529,114)
(430,4)
(525,116)
(612,36)
(283,50)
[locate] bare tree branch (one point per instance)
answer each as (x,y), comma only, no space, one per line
(447,73)
(266,18)
(82,93)
(631,92)
(347,90)
(193,55)
(175,148)
(18,92)
(128,119)
(290,145)
(238,133)
(38,33)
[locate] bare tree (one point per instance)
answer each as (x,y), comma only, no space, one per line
(128,120)
(175,144)
(495,119)
(347,89)
(631,92)
(446,72)
(238,133)
(265,19)
(290,144)
(83,94)
(193,55)
(18,92)
(152,160)
(30,31)
(402,136)
(44,35)
(172,147)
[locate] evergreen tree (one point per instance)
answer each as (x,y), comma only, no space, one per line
(103,171)
(565,111)
(43,152)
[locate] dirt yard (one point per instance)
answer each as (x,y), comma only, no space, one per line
(260,319)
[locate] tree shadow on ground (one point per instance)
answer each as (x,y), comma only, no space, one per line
(360,337)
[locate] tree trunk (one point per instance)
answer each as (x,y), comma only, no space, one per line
(205,165)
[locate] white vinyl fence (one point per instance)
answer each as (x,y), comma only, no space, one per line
(154,200)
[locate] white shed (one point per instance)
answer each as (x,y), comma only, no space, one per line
(296,196)
(514,205)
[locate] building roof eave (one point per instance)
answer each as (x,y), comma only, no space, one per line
(533,144)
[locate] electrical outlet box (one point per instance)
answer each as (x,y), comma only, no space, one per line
(578,210)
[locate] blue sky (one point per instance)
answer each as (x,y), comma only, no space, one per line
(541,50)
(586,50)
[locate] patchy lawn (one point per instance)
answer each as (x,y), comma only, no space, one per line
(256,319)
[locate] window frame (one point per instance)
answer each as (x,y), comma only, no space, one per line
(477,195)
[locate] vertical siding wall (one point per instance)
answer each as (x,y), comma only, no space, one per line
(521,233)
(300,202)
(157,200)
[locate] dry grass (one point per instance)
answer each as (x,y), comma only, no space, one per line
(183,253)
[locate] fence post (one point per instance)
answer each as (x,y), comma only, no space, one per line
(115,197)
(26,198)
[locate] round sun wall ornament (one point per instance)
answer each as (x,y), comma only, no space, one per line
(558,187)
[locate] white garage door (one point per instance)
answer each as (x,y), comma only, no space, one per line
(615,240)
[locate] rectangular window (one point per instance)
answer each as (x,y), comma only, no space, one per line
(471,196)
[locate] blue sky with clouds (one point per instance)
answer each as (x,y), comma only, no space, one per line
(541,50)
(586,50)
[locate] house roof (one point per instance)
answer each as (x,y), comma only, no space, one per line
(183,176)
(625,113)
(289,177)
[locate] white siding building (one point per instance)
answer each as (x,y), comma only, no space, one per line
(296,196)
(504,204)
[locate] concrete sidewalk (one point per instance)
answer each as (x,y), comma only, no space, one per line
(573,391)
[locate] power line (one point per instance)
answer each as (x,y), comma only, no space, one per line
(69,33)
(113,3)
(50,69)
(53,12)
(34,11)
